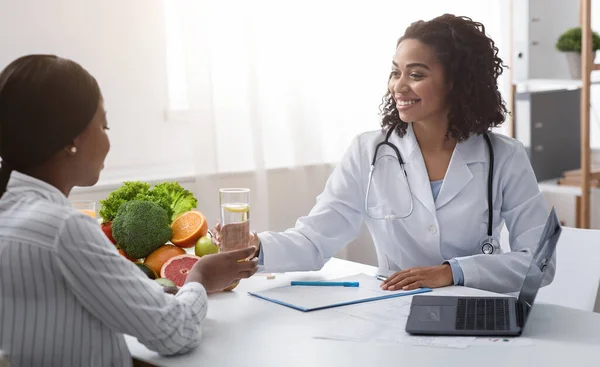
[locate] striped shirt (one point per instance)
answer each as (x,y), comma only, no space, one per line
(67,296)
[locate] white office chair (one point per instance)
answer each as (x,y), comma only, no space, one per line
(577,270)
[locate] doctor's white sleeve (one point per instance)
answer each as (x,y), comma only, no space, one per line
(332,223)
(525,212)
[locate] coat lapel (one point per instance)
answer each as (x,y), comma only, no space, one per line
(416,170)
(458,175)
(419,181)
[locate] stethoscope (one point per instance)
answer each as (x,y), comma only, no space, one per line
(489,245)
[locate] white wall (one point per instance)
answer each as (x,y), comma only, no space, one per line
(122,44)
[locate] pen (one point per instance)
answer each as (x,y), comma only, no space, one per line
(327,284)
(381,277)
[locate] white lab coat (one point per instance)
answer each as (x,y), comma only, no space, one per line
(451,227)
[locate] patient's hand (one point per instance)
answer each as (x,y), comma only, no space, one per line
(423,276)
(219,271)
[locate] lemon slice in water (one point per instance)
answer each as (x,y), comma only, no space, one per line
(237,208)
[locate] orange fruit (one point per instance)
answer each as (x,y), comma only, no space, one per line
(160,256)
(188,228)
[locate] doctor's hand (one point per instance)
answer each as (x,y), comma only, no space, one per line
(424,276)
(252,239)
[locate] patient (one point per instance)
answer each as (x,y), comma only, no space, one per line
(67,296)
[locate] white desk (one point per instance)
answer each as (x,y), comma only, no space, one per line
(241,330)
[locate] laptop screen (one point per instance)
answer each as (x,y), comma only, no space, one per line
(542,256)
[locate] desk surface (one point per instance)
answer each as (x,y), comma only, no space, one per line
(241,330)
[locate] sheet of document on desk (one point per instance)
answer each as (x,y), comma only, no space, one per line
(357,329)
(384,321)
(502,342)
(390,310)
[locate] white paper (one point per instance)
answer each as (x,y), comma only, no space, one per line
(384,322)
(503,342)
(349,328)
(310,297)
(388,310)
(360,330)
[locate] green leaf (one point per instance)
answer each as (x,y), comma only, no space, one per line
(570,41)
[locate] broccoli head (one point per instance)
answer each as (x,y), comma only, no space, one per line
(127,192)
(162,201)
(141,227)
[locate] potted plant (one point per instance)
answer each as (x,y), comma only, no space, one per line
(570,43)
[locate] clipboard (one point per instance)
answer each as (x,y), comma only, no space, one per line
(308,298)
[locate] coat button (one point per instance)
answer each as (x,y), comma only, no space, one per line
(433,229)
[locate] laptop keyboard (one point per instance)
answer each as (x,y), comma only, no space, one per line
(482,314)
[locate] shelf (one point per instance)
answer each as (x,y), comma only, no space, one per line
(544,85)
(553,187)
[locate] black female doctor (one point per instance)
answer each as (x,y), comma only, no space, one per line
(429,218)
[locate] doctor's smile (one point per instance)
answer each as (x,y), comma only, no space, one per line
(404,104)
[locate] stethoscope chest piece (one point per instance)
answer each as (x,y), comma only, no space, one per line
(489,246)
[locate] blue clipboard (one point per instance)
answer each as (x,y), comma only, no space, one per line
(307,298)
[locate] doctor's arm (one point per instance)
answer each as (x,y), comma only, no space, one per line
(525,212)
(332,223)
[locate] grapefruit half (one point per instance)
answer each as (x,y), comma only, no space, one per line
(178,267)
(161,255)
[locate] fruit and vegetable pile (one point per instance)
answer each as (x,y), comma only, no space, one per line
(152,226)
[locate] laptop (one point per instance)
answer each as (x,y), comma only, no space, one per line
(486,316)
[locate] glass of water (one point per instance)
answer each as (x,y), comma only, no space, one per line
(87,207)
(235,218)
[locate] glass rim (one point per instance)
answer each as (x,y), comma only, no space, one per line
(234,190)
(82,202)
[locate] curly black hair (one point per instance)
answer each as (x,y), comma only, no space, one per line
(470,61)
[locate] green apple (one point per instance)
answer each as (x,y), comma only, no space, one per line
(204,246)
(165,282)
